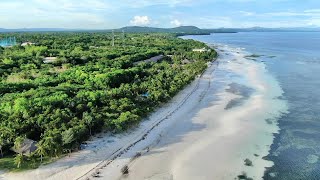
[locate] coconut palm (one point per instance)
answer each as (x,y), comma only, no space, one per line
(18,160)
(40,151)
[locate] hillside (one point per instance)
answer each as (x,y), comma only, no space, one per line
(180,29)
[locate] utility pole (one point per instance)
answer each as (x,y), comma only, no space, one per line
(112,37)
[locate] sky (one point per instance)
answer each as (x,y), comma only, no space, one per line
(108,14)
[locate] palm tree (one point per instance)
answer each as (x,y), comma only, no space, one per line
(40,151)
(88,121)
(67,139)
(18,160)
(18,142)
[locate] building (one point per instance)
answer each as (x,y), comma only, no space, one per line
(27,44)
(27,147)
(201,50)
(49,60)
(153,59)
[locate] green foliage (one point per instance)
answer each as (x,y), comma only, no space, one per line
(18,142)
(68,137)
(91,87)
(8,163)
(124,120)
(18,160)
(41,151)
(7,61)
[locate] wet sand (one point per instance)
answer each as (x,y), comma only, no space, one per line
(206,140)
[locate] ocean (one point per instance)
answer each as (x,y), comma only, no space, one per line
(293,59)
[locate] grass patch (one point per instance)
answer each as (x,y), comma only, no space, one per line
(7,163)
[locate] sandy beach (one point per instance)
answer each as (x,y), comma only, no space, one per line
(206,132)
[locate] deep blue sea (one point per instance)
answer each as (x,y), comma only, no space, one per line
(293,58)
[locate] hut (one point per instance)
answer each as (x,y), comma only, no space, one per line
(200,50)
(50,59)
(27,147)
(27,44)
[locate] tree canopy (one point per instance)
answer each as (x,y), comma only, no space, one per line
(90,87)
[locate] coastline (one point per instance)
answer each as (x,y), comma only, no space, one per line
(246,131)
(104,147)
(188,134)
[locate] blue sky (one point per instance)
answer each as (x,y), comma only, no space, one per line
(105,14)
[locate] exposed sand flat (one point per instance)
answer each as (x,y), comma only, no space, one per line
(198,137)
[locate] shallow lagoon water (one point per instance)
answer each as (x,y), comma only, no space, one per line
(293,58)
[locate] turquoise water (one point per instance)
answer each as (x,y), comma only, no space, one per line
(293,58)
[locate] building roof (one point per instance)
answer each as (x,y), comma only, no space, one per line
(27,43)
(200,50)
(153,59)
(49,59)
(27,147)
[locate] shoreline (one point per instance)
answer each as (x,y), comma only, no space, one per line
(184,150)
(93,157)
(171,138)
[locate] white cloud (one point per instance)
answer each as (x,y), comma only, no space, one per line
(313,22)
(93,5)
(286,14)
(175,22)
(103,14)
(312,11)
(247,13)
(146,3)
(213,21)
(57,13)
(306,13)
(140,20)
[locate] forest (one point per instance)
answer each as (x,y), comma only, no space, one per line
(91,86)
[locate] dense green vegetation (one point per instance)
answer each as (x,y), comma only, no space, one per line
(92,86)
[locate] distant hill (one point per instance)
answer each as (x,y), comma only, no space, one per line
(133,29)
(179,30)
(262,29)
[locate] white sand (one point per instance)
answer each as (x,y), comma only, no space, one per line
(196,139)
(205,141)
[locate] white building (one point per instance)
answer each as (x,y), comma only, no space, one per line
(50,59)
(27,44)
(200,50)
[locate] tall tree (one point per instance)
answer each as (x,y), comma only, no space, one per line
(88,119)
